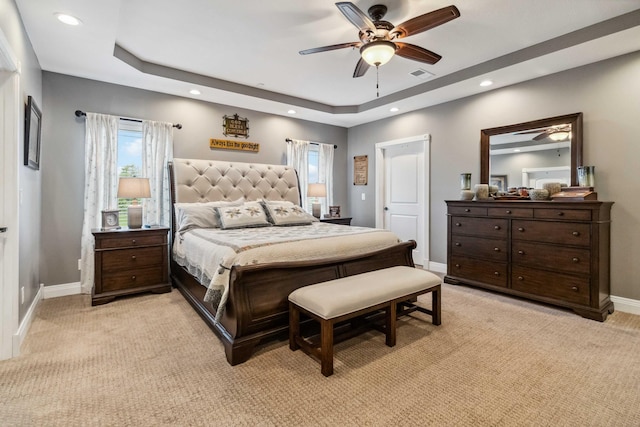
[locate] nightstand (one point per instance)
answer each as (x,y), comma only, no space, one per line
(339,220)
(130,261)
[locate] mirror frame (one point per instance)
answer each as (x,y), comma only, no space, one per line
(575,120)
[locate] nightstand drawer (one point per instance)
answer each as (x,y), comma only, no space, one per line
(133,278)
(127,259)
(131,240)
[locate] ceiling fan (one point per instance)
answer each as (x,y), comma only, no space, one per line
(555,133)
(378,38)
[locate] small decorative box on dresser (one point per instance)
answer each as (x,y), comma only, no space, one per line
(129,261)
(549,251)
(337,220)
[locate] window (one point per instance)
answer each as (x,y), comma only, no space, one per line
(313,174)
(129,158)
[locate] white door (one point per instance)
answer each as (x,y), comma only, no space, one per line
(9,139)
(404,192)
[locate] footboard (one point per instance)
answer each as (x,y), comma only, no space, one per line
(257,307)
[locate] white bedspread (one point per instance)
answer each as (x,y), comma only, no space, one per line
(209,253)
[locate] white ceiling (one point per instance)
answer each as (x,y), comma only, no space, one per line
(245,53)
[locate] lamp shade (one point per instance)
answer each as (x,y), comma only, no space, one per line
(133,188)
(378,52)
(317,190)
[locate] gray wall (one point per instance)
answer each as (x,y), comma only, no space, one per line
(63,151)
(607,94)
(29,179)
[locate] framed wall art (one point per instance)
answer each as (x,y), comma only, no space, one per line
(32,133)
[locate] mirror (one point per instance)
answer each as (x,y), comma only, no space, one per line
(529,154)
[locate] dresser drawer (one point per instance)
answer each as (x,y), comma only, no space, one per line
(563,214)
(565,287)
(493,273)
(490,249)
(567,233)
(131,241)
(468,210)
(128,279)
(571,260)
(485,227)
(126,259)
(511,212)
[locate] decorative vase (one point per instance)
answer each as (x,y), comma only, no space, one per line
(538,194)
(552,187)
(481,191)
(466,195)
(587,176)
(465,181)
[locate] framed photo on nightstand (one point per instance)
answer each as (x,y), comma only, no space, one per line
(110,219)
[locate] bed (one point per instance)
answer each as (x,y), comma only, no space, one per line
(245,302)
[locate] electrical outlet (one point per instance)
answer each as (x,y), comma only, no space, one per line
(79,265)
(22,295)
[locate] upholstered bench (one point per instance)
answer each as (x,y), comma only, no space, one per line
(346,298)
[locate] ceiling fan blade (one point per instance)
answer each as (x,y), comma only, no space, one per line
(425,22)
(417,53)
(332,47)
(540,137)
(356,16)
(361,68)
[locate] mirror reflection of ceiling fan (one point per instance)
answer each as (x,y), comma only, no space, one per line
(555,133)
(378,39)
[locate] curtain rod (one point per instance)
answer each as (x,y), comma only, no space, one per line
(79,113)
(312,143)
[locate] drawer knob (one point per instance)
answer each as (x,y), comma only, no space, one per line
(133,277)
(576,233)
(560,213)
(520,228)
(574,288)
(458,244)
(133,257)
(497,227)
(576,259)
(496,273)
(520,278)
(521,252)
(508,211)
(496,249)
(467,210)
(133,241)
(457,265)
(458,224)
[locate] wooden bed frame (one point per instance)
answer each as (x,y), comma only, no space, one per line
(257,307)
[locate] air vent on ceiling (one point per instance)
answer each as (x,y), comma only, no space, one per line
(422,74)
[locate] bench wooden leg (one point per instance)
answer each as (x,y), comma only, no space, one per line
(390,329)
(436,309)
(294,326)
(326,347)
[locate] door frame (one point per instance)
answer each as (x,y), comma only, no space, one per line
(424,175)
(9,143)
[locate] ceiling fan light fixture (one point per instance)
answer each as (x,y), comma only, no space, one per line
(560,135)
(378,52)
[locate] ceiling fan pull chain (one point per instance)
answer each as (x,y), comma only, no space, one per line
(377,83)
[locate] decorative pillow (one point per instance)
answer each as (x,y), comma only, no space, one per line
(249,214)
(286,213)
(200,215)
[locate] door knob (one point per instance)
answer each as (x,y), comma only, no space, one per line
(3,229)
(386,208)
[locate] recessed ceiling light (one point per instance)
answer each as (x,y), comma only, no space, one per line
(486,83)
(291,111)
(68,19)
(517,150)
(394,109)
(194,92)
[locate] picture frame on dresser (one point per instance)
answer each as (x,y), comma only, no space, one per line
(32,134)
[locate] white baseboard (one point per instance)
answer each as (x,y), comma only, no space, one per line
(626,305)
(55,291)
(21,333)
(438,267)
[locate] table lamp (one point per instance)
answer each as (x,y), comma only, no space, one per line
(316,190)
(134,189)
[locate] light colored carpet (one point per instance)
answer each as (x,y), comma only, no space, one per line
(494,361)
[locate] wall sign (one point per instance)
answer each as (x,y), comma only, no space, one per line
(360,170)
(229,144)
(235,126)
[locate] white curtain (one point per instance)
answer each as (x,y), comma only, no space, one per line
(298,158)
(325,173)
(157,150)
(101,184)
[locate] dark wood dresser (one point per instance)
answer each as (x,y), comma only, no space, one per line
(129,261)
(549,251)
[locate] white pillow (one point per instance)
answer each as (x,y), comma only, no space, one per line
(286,213)
(249,214)
(200,215)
